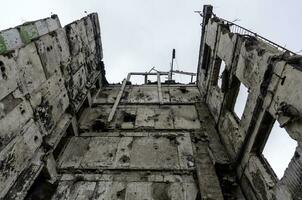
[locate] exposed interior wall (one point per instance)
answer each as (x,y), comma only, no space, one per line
(142,138)
(47,73)
(273,79)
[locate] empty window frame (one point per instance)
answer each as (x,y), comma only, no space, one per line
(275,145)
(152,79)
(279,149)
(180,78)
(241,100)
(137,79)
(219,68)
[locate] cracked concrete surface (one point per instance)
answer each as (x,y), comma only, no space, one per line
(179,141)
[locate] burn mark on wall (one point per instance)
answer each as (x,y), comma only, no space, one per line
(128,117)
(99,126)
(183,89)
(43,112)
(3,71)
(266,69)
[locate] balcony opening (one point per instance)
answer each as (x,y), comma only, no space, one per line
(152,79)
(137,80)
(279,149)
(241,101)
(221,70)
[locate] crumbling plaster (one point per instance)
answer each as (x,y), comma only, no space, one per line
(273,79)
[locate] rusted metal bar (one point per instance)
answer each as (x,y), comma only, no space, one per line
(249,32)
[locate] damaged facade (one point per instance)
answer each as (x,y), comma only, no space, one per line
(68,134)
(273,78)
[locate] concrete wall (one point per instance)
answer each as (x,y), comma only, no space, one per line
(141,114)
(47,72)
(273,79)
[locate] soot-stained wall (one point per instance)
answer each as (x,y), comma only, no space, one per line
(47,73)
(273,78)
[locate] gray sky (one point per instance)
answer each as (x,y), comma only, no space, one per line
(140,34)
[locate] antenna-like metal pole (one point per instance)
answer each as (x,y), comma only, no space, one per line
(172,65)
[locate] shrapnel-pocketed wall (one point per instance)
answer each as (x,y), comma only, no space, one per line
(47,73)
(272,75)
(65,133)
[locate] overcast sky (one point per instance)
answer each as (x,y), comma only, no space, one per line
(140,34)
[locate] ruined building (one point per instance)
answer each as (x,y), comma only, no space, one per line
(68,134)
